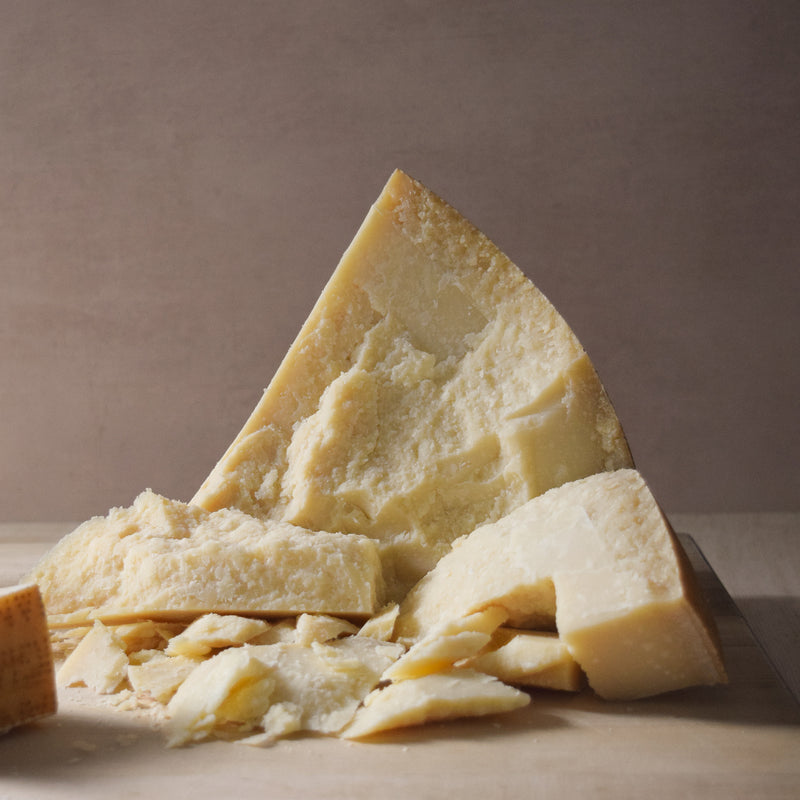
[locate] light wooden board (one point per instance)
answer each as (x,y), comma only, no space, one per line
(739,740)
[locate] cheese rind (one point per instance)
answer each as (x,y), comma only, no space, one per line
(627,605)
(27,675)
(160,558)
(433,388)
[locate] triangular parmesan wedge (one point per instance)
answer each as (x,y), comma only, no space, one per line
(626,602)
(433,388)
(164,559)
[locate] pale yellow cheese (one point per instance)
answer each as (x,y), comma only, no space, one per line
(233,687)
(450,642)
(326,683)
(321,628)
(527,658)
(27,680)
(99,662)
(599,550)
(214,631)
(381,626)
(160,675)
(271,691)
(432,388)
(162,558)
(442,695)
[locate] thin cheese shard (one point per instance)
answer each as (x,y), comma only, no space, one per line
(626,602)
(99,661)
(448,643)
(161,558)
(528,658)
(433,388)
(214,631)
(439,696)
(27,675)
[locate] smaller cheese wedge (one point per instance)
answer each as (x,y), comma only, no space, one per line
(600,552)
(438,696)
(532,659)
(27,676)
(160,558)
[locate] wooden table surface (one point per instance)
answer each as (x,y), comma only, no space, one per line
(740,740)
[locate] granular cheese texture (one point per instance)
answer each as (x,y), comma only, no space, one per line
(433,388)
(162,558)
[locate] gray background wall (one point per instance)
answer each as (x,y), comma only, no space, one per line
(178,180)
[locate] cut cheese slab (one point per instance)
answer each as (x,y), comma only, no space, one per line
(27,676)
(438,696)
(433,388)
(626,604)
(160,558)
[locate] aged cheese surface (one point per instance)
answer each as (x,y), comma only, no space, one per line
(161,557)
(432,388)
(626,605)
(27,677)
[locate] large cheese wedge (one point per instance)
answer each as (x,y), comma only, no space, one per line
(160,558)
(433,388)
(27,675)
(600,553)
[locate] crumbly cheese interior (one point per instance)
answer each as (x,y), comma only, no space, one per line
(435,455)
(162,558)
(433,388)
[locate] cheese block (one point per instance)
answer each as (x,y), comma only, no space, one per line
(161,558)
(600,551)
(232,687)
(438,696)
(432,388)
(27,676)
(528,658)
